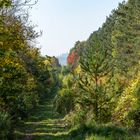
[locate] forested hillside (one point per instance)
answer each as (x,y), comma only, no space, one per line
(102,88)
(95,97)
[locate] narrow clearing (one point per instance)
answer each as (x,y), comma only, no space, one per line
(44,124)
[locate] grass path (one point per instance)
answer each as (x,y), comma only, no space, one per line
(44,124)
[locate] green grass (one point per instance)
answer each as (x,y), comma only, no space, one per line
(95,131)
(96,137)
(43,124)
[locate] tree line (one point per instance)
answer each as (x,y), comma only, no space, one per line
(101,88)
(26,77)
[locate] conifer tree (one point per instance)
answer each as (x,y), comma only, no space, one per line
(96,62)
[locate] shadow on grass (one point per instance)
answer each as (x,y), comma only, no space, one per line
(43,124)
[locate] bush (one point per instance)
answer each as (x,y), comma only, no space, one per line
(64,101)
(103,131)
(92,137)
(5,125)
(135,117)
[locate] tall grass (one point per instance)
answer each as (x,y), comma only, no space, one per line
(103,132)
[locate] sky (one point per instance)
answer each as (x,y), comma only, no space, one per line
(63,22)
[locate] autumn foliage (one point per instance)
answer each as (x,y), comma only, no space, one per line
(71,58)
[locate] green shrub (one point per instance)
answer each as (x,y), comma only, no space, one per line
(95,137)
(64,101)
(103,130)
(5,125)
(135,116)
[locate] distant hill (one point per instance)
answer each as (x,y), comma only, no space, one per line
(63,59)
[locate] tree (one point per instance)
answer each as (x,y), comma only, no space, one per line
(96,62)
(125,37)
(24,76)
(5,3)
(127,109)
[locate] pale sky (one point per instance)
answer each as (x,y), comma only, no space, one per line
(64,22)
